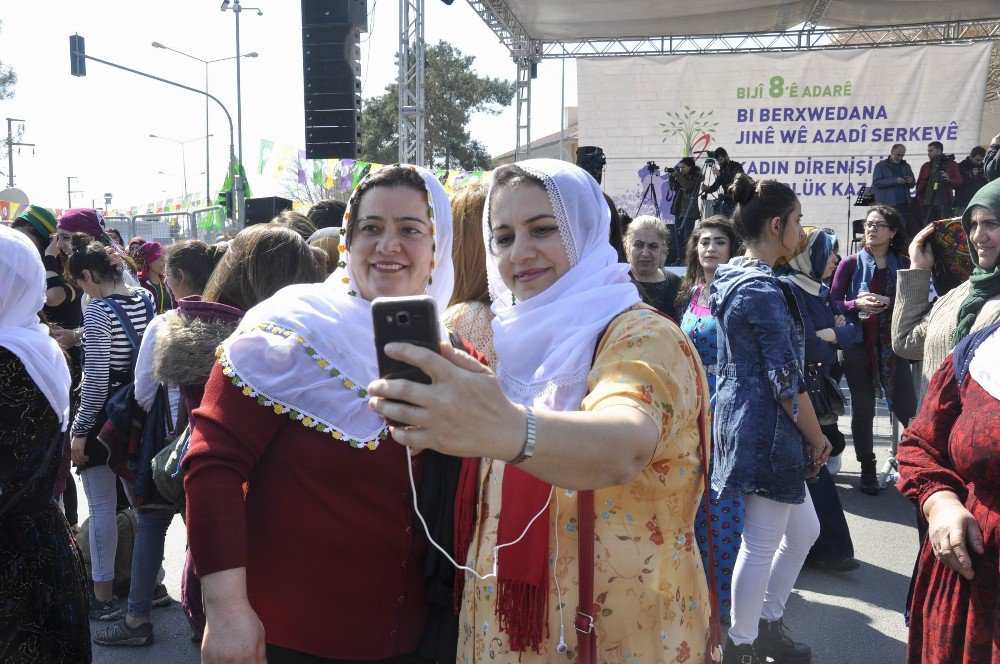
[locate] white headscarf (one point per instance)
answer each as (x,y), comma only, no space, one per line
(545,344)
(309,351)
(22,296)
(985,365)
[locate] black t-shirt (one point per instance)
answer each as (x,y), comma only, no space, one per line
(661,294)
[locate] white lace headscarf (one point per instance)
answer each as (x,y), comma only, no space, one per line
(545,344)
(309,351)
(22,296)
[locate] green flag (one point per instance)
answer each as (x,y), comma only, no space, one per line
(228,184)
(265,152)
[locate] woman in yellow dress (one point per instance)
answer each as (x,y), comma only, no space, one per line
(593,391)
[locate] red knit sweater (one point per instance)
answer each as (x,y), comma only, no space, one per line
(333,550)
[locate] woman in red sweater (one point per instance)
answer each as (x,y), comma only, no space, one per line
(323,558)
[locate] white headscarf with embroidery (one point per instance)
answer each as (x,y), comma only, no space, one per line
(22,296)
(309,351)
(545,344)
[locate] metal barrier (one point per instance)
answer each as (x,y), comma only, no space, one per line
(204,224)
(211,222)
(165,227)
(124,225)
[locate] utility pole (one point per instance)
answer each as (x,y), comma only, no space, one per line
(10,150)
(70,191)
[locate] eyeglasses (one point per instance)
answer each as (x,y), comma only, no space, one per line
(876,226)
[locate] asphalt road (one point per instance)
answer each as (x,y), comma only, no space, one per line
(849,618)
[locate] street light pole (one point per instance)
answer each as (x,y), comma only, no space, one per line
(238,184)
(70,191)
(77,67)
(208,177)
(183,155)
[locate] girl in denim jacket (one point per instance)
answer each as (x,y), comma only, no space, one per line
(767,437)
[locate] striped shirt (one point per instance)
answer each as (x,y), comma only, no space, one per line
(106,348)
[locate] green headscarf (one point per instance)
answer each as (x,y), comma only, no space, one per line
(985,284)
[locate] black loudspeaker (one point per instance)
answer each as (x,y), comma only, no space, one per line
(331,58)
(263,210)
(591,159)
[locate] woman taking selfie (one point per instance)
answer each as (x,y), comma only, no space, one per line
(324,557)
(593,391)
(767,437)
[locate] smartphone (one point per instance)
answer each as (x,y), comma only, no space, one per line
(411,320)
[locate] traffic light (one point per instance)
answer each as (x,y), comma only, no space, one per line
(77,56)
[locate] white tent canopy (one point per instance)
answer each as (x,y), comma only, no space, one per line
(574,20)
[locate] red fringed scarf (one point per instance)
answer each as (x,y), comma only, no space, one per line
(523,570)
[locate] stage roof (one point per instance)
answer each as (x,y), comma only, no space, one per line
(576,20)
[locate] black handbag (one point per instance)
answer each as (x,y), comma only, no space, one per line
(827,398)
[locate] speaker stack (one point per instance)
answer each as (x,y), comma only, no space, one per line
(331,57)
(263,210)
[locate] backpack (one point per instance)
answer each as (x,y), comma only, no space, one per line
(127,525)
(125,416)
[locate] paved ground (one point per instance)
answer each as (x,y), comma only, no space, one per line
(852,618)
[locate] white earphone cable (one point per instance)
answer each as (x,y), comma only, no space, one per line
(496,549)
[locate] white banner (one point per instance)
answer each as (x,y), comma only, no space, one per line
(816,121)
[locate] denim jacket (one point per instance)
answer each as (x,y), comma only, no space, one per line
(758,449)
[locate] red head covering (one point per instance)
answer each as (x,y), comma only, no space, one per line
(82,220)
(147,254)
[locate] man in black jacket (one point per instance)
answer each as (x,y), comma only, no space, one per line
(725,173)
(973,179)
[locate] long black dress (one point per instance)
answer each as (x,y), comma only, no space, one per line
(43,588)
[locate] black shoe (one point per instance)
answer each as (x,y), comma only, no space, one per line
(845,565)
(161,597)
(120,634)
(773,642)
(739,654)
(110,610)
(869,480)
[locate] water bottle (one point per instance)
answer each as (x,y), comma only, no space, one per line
(863,315)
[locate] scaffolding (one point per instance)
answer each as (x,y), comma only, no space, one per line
(412,63)
(527,51)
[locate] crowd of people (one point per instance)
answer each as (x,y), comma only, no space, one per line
(610,461)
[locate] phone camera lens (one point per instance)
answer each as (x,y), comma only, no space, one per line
(403,318)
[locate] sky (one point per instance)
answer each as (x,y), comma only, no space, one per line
(96,128)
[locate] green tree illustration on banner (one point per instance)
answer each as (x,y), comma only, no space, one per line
(690,125)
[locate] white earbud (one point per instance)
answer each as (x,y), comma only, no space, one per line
(561,647)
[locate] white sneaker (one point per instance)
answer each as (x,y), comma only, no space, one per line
(833,465)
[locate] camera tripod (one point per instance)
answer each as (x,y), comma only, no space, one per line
(650,190)
(890,471)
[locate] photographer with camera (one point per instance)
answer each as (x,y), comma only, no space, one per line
(938,177)
(684,182)
(973,179)
(725,173)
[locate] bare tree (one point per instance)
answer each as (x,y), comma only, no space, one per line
(292,186)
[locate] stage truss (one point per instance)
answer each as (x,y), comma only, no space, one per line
(527,52)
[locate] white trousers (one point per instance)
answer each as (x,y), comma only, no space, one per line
(776,540)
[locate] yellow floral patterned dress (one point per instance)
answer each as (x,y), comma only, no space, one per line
(649,584)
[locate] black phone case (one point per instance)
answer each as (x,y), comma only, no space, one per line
(422,330)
